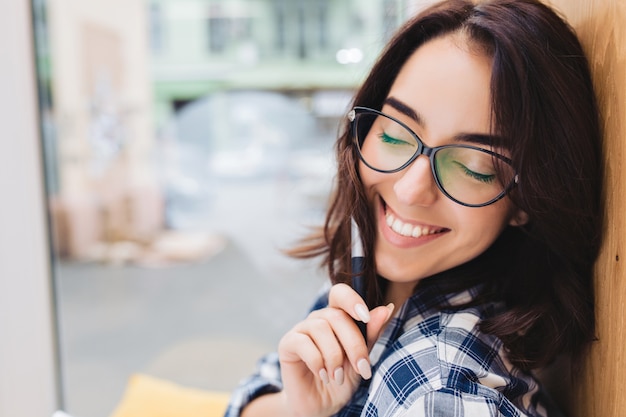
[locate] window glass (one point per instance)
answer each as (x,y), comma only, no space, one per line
(187,142)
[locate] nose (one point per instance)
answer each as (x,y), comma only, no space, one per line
(416,185)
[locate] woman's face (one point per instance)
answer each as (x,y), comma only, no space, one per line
(446,86)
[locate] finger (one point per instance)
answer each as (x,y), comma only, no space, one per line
(323,335)
(349,337)
(297,347)
(344,297)
(379,317)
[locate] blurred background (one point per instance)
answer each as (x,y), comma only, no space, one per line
(186,143)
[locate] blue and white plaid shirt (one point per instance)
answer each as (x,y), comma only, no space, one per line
(430,361)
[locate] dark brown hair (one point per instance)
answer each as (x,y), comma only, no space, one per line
(544,104)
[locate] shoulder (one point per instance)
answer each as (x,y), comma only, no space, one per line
(446,359)
(450,402)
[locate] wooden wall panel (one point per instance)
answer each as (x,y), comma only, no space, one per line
(601,24)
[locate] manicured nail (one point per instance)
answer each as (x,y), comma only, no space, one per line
(364,368)
(362,312)
(338,375)
(390,307)
(324,376)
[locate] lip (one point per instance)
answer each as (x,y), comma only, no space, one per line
(405,241)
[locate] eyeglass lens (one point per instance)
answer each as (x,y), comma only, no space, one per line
(471,176)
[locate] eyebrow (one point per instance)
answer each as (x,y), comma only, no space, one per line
(475,138)
(404,109)
(482,139)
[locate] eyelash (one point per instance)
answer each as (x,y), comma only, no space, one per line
(486,178)
(391,140)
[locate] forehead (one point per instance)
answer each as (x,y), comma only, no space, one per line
(447,82)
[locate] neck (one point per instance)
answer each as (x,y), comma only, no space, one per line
(398,292)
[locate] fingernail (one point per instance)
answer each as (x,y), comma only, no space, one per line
(362,312)
(390,307)
(364,368)
(338,375)
(324,376)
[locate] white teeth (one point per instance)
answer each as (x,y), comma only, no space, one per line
(406,229)
(397,226)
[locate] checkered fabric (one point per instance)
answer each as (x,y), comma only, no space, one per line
(431,361)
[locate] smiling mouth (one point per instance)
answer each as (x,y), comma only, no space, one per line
(407,229)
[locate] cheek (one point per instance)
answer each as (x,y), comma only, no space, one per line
(483,224)
(497,219)
(374,180)
(370,178)
(365,174)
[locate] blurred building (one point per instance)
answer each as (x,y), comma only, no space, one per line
(299,47)
(277,59)
(100,123)
(116,73)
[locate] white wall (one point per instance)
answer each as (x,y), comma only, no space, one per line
(27,365)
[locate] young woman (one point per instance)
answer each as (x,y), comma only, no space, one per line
(470,165)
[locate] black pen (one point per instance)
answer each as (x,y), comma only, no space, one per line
(358,284)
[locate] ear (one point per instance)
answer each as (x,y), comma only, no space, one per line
(519,218)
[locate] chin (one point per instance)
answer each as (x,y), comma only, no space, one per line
(400,273)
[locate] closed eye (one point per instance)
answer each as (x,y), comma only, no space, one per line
(486,178)
(385,138)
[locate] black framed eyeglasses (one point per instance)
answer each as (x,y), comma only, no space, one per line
(468,175)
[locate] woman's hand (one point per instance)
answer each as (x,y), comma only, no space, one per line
(324,357)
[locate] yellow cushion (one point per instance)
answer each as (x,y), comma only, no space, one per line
(146,396)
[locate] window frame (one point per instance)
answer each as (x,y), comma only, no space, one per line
(29,377)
